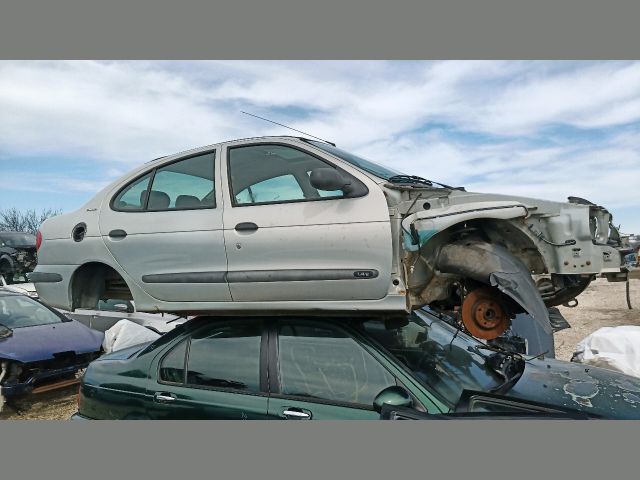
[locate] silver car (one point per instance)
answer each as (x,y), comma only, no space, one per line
(286,224)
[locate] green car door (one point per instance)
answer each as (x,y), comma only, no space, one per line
(318,371)
(213,372)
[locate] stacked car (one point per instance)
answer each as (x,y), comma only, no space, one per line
(282,225)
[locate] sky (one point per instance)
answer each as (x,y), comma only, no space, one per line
(544,129)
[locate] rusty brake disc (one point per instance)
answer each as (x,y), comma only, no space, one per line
(483,313)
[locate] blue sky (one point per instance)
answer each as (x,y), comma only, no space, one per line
(536,128)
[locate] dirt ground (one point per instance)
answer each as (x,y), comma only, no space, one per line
(602,304)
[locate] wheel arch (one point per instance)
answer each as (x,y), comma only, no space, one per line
(94,281)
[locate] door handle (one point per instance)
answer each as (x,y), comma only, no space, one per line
(293,413)
(118,233)
(246,227)
(164,397)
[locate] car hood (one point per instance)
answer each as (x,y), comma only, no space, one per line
(32,344)
(592,390)
(124,353)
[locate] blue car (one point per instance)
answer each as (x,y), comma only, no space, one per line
(40,348)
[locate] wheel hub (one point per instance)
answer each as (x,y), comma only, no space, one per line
(483,314)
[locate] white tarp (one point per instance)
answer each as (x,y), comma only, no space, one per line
(615,348)
(126,333)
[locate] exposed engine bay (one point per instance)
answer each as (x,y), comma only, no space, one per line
(490,257)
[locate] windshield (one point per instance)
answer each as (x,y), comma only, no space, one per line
(17,240)
(440,361)
(17,311)
(364,164)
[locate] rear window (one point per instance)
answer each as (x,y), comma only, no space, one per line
(17,240)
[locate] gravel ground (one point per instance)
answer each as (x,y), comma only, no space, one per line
(602,304)
(55,405)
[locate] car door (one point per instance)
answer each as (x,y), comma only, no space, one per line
(318,371)
(287,240)
(164,228)
(215,372)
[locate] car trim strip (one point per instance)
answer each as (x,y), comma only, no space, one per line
(250,276)
(44,277)
(187,277)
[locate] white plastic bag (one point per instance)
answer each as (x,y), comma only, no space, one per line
(615,348)
(126,333)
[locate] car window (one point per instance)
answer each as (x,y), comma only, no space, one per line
(17,311)
(173,363)
(281,188)
(366,165)
(226,356)
(17,240)
(273,173)
(132,197)
(317,361)
(183,185)
(436,354)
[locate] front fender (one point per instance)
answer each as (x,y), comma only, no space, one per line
(494,265)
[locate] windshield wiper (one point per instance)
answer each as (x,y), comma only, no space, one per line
(415,179)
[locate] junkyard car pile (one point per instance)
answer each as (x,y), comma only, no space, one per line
(280,225)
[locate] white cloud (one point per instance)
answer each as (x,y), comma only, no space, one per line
(488,122)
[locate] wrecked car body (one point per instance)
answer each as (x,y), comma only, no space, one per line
(290,224)
(17,254)
(40,349)
(341,367)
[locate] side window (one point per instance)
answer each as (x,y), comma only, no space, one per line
(186,184)
(324,363)
(275,189)
(133,196)
(226,357)
(172,365)
(273,173)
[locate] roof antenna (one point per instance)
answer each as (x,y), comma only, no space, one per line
(290,128)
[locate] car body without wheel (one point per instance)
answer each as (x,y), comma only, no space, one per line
(284,224)
(347,367)
(17,255)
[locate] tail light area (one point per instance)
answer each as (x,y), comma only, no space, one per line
(38,240)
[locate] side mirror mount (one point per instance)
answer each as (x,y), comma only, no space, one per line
(394,395)
(329,179)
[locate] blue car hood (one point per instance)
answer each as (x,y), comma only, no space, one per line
(32,344)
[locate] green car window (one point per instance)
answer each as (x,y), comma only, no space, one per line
(226,356)
(436,355)
(172,365)
(325,363)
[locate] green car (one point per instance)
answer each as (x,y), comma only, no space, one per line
(311,367)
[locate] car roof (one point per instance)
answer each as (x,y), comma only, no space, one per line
(235,140)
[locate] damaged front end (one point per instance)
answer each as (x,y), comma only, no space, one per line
(18,378)
(478,254)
